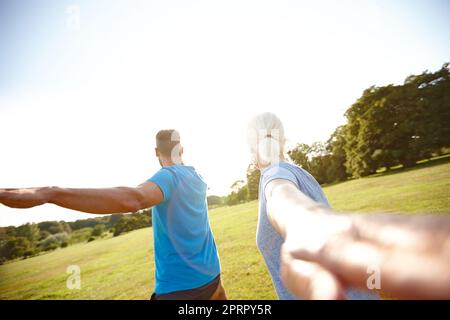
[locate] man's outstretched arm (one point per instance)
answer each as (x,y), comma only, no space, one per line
(97,201)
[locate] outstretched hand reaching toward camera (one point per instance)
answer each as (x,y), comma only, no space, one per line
(326,252)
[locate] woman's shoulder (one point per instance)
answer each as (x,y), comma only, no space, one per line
(282,165)
(282,170)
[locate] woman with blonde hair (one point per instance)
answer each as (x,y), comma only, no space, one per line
(267,142)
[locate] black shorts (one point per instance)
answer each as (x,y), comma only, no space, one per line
(201,293)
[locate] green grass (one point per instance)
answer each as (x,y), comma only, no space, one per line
(122,267)
(425,189)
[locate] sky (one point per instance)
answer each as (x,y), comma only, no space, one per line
(85,85)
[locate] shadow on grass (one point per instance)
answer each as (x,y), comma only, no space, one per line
(423,164)
(426,163)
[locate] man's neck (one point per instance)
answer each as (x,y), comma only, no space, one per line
(169,162)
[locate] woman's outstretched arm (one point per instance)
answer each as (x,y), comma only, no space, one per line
(326,252)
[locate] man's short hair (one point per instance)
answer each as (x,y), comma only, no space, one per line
(166,140)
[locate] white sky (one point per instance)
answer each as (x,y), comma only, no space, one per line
(79,106)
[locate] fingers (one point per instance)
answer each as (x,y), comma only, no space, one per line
(351,259)
(419,232)
(401,273)
(20,198)
(6,194)
(309,280)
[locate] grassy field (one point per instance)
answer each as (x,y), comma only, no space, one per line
(122,267)
(424,189)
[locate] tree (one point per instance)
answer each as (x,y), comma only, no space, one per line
(54,241)
(98,230)
(214,200)
(361,138)
(52,227)
(81,235)
(124,225)
(242,194)
(239,193)
(43,234)
(65,227)
(399,124)
(15,247)
(29,231)
(132,222)
(253,177)
(300,154)
(335,147)
(315,159)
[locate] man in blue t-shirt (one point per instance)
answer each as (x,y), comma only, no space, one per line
(186,258)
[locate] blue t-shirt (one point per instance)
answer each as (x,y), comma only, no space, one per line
(185,251)
(269,241)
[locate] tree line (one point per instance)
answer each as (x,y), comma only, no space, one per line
(242,191)
(34,238)
(388,126)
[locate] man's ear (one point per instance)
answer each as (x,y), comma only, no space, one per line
(181,151)
(157,152)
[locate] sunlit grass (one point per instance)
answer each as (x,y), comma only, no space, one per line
(422,190)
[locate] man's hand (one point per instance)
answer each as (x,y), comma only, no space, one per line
(23,198)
